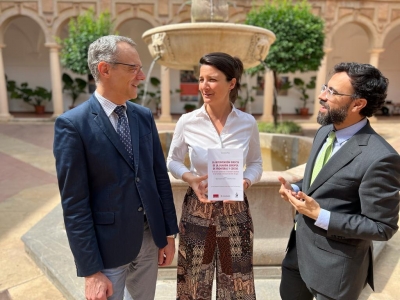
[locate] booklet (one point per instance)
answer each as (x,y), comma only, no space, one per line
(225,174)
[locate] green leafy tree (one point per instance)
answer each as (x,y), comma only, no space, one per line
(82,31)
(299,38)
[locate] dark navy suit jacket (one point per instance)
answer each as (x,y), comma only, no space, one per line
(103,193)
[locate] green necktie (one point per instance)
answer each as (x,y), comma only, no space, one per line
(324,155)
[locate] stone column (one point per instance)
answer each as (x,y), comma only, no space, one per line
(165,96)
(374,56)
(56,86)
(4,113)
(268,96)
(374,60)
(321,79)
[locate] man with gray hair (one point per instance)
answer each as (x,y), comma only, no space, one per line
(115,191)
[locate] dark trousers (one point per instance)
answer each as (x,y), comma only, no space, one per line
(292,285)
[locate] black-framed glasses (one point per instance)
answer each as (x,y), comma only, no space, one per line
(330,92)
(135,68)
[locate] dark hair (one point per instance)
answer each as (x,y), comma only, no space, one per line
(231,66)
(368,83)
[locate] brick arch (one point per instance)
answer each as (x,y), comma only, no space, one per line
(239,17)
(64,18)
(389,29)
(127,15)
(13,13)
(362,21)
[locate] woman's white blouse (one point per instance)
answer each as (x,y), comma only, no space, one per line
(195,133)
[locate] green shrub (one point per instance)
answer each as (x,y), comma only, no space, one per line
(287,127)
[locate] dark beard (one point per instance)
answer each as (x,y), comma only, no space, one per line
(333,116)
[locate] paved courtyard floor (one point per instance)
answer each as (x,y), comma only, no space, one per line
(28,192)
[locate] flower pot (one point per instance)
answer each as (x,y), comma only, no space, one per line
(39,109)
(303,111)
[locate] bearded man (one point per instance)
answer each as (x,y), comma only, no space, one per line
(349,195)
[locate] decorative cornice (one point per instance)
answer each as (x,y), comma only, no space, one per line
(379,14)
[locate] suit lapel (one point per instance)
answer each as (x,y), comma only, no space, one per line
(134,128)
(101,119)
(341,158)
(319,140)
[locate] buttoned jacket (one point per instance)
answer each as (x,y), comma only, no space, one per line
(104,194)
(359,185)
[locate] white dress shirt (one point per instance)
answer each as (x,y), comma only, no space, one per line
(108,108)
(195,133)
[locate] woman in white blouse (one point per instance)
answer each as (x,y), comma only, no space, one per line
(215,234)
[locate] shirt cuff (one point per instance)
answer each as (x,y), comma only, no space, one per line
(323,219)
(295,188)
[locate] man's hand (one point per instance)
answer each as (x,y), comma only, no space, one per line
(166,254)
(98,287)
(304,204)
(285,186)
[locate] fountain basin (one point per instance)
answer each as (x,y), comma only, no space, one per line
(180,46)
(272,217)
(279,152)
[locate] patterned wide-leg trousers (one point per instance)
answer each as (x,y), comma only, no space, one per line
(215,236)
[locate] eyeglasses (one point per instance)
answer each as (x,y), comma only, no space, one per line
(134,68)
(330,92)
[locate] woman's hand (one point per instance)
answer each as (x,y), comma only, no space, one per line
(198,185)
(246,185)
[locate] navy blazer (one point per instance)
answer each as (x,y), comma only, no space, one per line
(103,193)
(360,186)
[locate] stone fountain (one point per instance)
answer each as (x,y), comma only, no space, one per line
(180,46)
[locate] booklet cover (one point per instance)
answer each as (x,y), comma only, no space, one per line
(225,174)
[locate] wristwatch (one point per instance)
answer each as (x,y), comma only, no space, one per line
(172,236)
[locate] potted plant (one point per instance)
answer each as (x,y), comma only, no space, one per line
(36,97)
(246,98)
(188,107)
(303,87)
(74,87)
(153,95)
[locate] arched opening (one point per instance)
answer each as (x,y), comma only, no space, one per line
(26,59)
(349,43)
(389,63)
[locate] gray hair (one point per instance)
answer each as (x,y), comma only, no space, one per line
(105,49)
